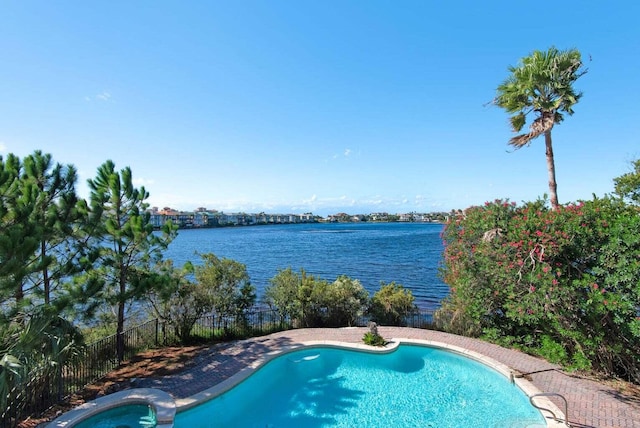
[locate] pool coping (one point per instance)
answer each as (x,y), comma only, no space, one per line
(162,403)
(551,413)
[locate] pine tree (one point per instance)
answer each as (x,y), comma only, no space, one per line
(125,240)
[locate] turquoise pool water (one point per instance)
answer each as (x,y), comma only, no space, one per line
(415,386)
(127,416)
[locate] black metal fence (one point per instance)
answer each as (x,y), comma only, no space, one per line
(99,358)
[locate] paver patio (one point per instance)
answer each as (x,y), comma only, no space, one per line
(591,404)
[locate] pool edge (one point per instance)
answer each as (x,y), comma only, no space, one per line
(525,386)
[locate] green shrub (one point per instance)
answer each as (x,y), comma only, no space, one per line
(373,339)
(391,304)
(314,302)
(561,283)
(552,350)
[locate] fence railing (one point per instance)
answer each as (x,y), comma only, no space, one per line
(99,358)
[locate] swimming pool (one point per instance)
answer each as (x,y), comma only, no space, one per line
(133,408)
(127,416)
(330,387)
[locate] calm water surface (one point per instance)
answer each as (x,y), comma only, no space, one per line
(408,253)
(414,386)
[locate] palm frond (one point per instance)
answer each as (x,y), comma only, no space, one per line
(539,126)
(517,121)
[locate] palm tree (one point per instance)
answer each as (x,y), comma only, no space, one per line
(32,358)
(541,84)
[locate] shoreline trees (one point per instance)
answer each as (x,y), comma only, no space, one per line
(314,302)
(57,257)
(125,239)
(39,216)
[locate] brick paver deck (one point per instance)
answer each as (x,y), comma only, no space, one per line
(591,404)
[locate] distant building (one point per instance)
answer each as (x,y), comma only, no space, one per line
(203,217)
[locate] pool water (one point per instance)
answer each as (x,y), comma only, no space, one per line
(127,416)
(414,386)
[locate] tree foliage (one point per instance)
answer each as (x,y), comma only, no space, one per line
(125,241)
(39,247)
(57,215)
(282,293)
(225,286)
(391,304)
(314,302)
(542,85)
(562,283)
(179,302)
(18,238)
(627,186)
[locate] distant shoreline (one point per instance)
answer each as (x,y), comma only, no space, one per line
(205,219)
(220,226)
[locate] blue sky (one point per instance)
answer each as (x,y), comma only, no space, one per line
(298,106)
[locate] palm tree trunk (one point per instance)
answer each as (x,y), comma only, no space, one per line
(553,186)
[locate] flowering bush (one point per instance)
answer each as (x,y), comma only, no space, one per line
(564,283)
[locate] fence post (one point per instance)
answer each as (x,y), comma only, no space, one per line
(156,341)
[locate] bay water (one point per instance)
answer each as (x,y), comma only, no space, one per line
(407,253)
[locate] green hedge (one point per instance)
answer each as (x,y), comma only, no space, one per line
(563,284)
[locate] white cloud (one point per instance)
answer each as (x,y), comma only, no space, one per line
(345,154)
(142,181)
(3,147)
(104,96)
